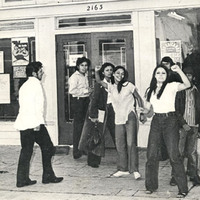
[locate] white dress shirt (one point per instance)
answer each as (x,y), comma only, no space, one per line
(123,102)
(31,105)
(78,85)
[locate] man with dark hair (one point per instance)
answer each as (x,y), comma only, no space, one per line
(80,91)
(30,122)
(173,76)
(188,109)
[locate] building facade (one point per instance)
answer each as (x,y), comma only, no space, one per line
(132,33)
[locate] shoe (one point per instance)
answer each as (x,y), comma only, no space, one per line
(181,195)
(77,155)
(137,175)
(120,173)
(30,182)
(173,182)
(195,180)
(93,165)
(52,180)
(148,192)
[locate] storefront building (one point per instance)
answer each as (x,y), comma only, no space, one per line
(132,33)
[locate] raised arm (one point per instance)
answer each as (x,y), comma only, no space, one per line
(186,83)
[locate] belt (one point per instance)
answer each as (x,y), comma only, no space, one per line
(165,114)
(80,97)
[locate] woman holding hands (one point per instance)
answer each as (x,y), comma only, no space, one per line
(123,96)
(164,127)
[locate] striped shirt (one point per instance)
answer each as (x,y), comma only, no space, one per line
(189,114)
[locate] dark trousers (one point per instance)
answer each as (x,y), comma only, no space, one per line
(110,121)
(164,129)
(80,106)
(188,149)
(28,138)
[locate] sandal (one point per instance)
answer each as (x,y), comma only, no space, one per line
(181,194)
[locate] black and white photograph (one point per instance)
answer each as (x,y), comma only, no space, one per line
(100,99)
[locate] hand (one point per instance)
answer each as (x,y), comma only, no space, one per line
(90,90)
(37,128)
(143,118)
(94,119)
(175,68)
(186,127)
(97,68)
(140,109)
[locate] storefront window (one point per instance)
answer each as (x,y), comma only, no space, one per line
(15,53)
(178,36)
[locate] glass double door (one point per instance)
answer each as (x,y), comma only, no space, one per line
(114,47)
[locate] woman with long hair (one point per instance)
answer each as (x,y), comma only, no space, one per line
(164,127)
(124,96)
(100,107)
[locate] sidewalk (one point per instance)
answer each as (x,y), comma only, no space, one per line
(82,182)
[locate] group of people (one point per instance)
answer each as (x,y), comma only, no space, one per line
(114,104)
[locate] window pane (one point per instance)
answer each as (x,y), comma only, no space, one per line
(10,111)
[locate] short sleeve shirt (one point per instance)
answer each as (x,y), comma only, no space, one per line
(123,102)
(166,103)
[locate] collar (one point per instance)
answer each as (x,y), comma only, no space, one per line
(78,73)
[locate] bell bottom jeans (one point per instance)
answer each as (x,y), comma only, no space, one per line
(126,144)
(164,128)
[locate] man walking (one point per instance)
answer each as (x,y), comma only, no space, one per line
(30,122)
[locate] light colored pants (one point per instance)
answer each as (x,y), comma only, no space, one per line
(126,144)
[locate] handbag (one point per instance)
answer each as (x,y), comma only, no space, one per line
(93,137)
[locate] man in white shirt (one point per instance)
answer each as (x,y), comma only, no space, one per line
(30,122)
(80,91)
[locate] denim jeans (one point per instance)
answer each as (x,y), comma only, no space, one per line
(188,149)
(164,128)
(126,144)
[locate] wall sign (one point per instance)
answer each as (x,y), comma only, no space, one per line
(19,71)
(20,51)
(4,88)
(171,49)
(94,7)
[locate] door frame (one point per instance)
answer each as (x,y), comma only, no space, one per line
(65,129)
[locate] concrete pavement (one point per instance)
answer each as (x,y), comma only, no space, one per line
(82,182)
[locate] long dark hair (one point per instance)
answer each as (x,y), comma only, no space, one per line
(121,83)
(153,83)
(103,68)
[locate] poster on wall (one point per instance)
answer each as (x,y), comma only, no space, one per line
(73,58)
(20,51)
(171,49)
(19,71)
(4,88)
(1,62)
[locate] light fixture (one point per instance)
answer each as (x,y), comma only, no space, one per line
(175,15)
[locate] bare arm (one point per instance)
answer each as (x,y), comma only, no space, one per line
(139,99)
(186,83)
(141,105)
